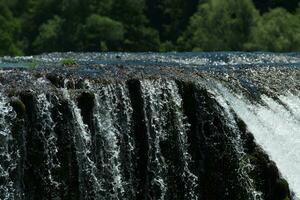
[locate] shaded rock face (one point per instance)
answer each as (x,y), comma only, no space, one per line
(132,139)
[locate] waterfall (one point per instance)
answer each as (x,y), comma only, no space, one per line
(166,124)
(88,182)
(127,127)
(91,143)
(244,166)
(113,119)
(275,125)
(49,137)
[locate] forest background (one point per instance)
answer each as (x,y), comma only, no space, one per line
(36,26)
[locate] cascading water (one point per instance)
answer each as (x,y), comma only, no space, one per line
(113,118)
(9,157)
(275,125)
(151,126)
(49,137)
(165,125)
(88,183)
(245,166)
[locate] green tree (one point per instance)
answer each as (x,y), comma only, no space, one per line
(102,33)
(85,21)
(36,26)
(9,31)
(170,17)
(277,30)
(219,25)
(266,5)
(37,13)
(102,7)
(49,36)
(139,36)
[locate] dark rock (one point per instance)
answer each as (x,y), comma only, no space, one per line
(69,167)
(272,171)
(86,99)
(55,79)
(281,190)
(18,106)
(249,143)
(140,134)
(86,102)
(120,66)
(80,84)
(70,84)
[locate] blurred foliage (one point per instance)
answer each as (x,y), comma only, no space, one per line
(49,35)
(9,32)
(220,25)
(266,5)
(36,26)
(277,30)
(101,32)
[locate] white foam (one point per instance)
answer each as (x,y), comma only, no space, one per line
(293,103)
(275,128)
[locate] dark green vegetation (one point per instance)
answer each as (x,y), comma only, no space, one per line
(36,26)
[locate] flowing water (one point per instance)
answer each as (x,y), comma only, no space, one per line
(275,125)
(8,158)
(151,126)
(165,122)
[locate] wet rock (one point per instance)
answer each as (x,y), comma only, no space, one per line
(70,84)
(80,84)
(55,79)
(272,171)
(249,143)
(140,132)
(120,66)
(86,100)
(86,103)
(281,190)
(18,106)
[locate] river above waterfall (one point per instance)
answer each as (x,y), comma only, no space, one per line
(202,126)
